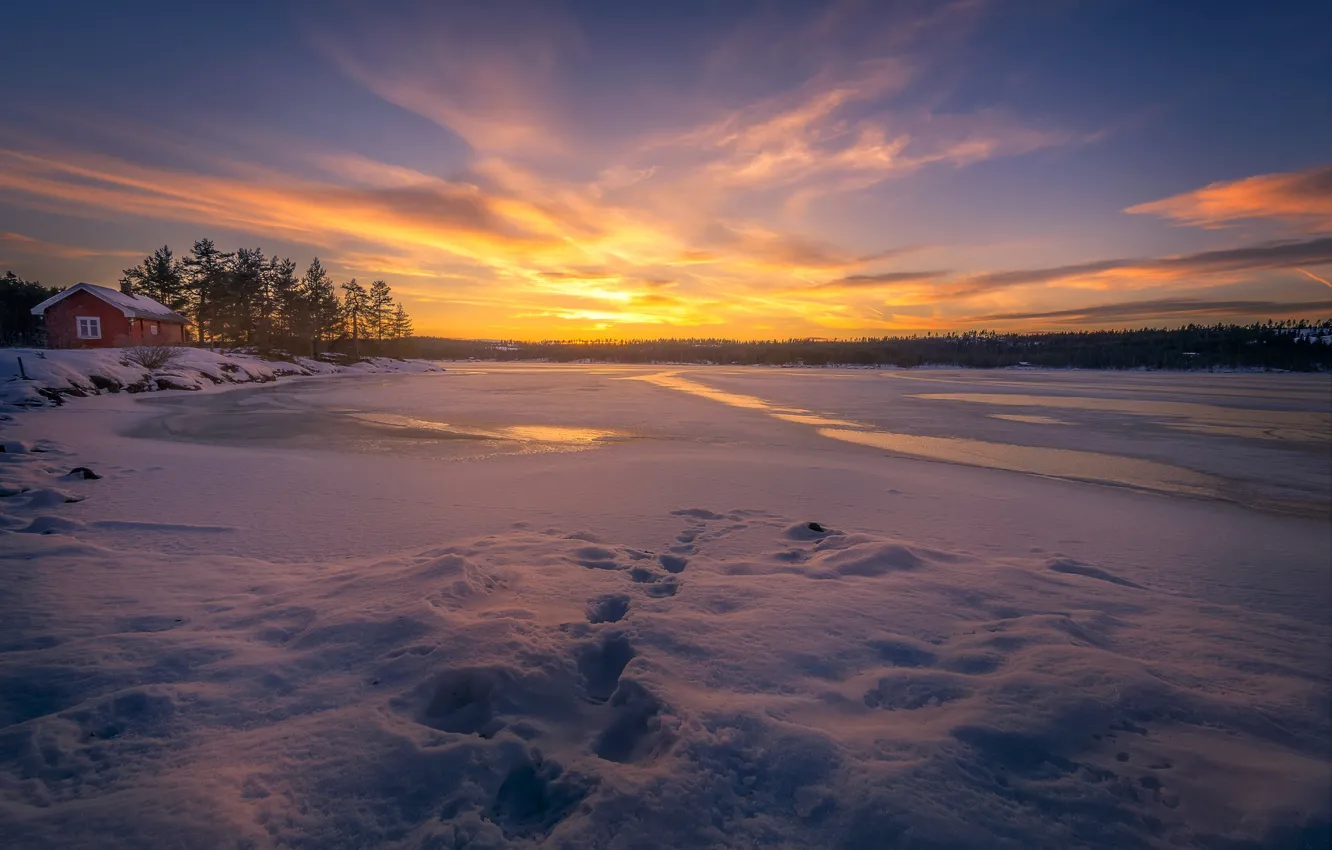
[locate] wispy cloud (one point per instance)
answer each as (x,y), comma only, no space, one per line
(881,281)
(1106,274)
(1134,311)
(21,244)
(484,71)
(1301,199)
(1124,272)
(1313,276)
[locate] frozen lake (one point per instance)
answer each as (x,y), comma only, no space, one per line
(1253,440)
(533,605)
(1185,477)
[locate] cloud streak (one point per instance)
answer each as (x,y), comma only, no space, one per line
(1132,311)
(1105,274)
(1108,273)
(1300,199)
(22,244)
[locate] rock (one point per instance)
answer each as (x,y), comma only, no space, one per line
(174,382)
(102,382)
(814,526)
(85,473)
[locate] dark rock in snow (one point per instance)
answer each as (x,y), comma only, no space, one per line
(102,382)
(173,382)
(84,472)
(814,526)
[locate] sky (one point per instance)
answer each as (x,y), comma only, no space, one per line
(593,169)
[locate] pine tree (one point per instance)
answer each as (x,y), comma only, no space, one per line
(401,324)
(158,277)
(285,320)
(379,309)
(18,326)
(244,297)
(355,309)
(205,270)
(325,313)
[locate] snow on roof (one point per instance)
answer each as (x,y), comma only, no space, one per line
(133,306)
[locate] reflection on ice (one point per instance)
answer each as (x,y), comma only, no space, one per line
(262,420)
(1030,419)
(1300,425)
(1034,460)
(749,402)
(558,434)
(1038,460)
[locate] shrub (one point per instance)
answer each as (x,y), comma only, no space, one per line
(153,357)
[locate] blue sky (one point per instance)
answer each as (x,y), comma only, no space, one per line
(699,168)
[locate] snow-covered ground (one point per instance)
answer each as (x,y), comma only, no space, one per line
(33,377)
(532,605)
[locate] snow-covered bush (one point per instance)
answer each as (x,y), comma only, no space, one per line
(153,357)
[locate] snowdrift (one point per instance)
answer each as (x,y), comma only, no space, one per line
(55,375)
(546,687)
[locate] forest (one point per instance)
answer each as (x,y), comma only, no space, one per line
(1290,345)
(244,298)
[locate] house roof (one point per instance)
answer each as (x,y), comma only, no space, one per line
(133,306)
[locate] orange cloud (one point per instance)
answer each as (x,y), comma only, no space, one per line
(1302,199)
(21,244)
(1193,308)
(1313,276)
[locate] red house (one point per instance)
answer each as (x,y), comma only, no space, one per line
(91,316)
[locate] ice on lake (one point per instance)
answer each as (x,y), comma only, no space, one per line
(599,606)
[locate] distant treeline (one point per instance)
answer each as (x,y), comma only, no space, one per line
(1294,345)
(243,298)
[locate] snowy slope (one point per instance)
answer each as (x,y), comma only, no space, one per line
(57,374)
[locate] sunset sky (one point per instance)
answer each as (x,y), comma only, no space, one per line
(738,169)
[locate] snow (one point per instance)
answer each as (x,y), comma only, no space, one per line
(432,611)
(133,306)
(78,372)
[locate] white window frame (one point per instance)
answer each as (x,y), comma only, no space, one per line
(152,328)
(90,327)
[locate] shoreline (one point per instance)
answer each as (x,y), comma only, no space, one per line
(57,375)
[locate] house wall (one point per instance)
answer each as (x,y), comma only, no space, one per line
(168,333)
(62,327)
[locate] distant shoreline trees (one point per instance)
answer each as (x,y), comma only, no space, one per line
(1294,345)
(250,299)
